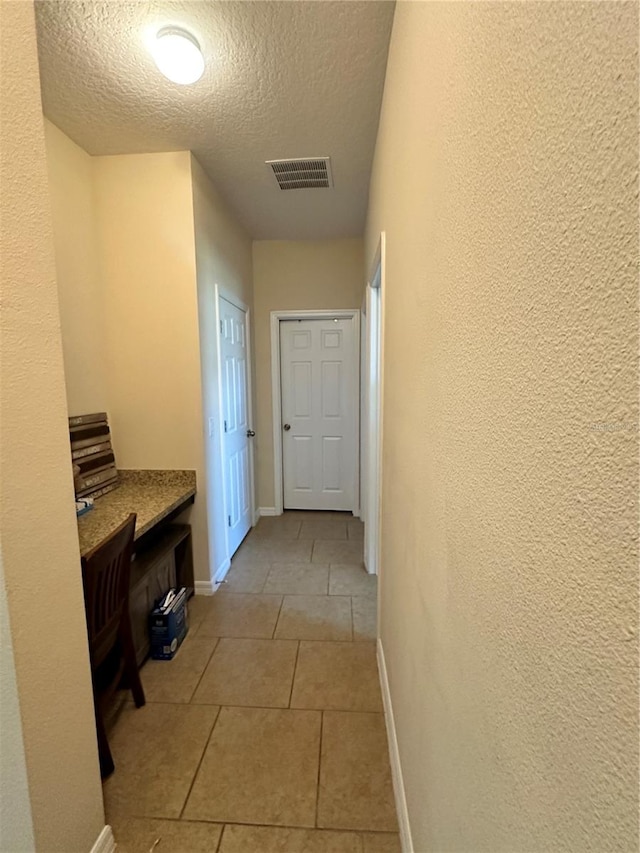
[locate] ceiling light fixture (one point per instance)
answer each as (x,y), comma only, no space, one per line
(177,54)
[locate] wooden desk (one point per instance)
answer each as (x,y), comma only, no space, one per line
(162,551)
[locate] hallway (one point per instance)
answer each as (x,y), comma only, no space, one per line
(265,734)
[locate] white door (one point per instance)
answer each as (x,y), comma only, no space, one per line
(236,429)
(319,404)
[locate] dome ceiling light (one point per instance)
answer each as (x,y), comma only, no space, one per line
(177,54)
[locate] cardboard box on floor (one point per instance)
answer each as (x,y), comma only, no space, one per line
(168,624)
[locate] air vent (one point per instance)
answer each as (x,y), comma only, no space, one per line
(301,174)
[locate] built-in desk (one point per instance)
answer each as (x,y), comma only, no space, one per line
(162,548)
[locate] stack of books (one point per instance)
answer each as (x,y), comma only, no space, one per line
(168,624)
(92,453)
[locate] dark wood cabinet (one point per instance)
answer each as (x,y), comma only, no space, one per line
(161,561)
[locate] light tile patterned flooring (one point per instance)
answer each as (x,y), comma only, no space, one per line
(265,734)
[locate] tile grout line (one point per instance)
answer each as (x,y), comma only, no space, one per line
(265,708)
(206,666)
(319,767)
(224,824)
(219,845)
(351,610)
(224,595)
(295,667)
(379,713)
(266,578)
(199,764)
(291,639)
(275,627)
(302,826)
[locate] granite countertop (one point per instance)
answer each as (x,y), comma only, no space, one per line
(152,495)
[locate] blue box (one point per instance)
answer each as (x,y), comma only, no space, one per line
(168,624)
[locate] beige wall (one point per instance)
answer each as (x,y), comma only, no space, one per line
(79,288)
(16,822)
(136,302)
(147,257)
(295,275)
(505,177)
(38,525)
(223,257)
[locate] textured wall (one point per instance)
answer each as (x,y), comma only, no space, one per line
(144,209)
(505,177)
(223,257)
(39,534)
(16,823)
(78,272)
(290,276)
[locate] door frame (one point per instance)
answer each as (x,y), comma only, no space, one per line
(352,314)
(373,390)
(223,293)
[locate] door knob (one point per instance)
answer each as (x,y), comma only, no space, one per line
(286,427)
(250,433)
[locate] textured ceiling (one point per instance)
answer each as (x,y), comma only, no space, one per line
(282,79)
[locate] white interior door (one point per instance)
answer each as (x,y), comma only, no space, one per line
(319,395)
(236,428)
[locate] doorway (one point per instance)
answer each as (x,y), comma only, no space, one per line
(236,430)
(315,388)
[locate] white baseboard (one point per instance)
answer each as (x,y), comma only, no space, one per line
(223,568)
(394,756)
(209,587)
(203,588)
(105,842)
(256,517)
(267,510)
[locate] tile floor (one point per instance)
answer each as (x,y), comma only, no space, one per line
(265,734)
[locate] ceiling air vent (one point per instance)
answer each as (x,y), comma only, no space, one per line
(302,173)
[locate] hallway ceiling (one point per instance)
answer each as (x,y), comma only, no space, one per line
(282,80)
